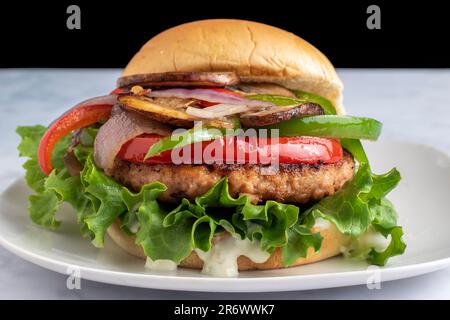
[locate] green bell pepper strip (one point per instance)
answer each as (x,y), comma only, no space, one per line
(349,129)
(186,137)
(276,100)
(330,126)
(355,147)
(302,97)
(326,104)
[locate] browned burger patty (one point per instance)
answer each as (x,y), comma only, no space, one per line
(291,184)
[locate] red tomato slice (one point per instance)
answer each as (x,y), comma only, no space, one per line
(293,150)
(136,149)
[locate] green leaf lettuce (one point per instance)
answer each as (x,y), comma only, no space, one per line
(167,232)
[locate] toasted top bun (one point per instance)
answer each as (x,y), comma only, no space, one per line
(332,243)
(255,51)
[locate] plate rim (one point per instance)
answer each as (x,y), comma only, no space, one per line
(216,284)
(204,283)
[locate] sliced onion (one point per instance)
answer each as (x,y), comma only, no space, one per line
(119,129)
(218,110)
(208,95)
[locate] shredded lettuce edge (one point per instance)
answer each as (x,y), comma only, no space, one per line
(173,232)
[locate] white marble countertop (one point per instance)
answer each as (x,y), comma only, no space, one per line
(414,105)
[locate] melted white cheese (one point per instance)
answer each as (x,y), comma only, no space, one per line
(221,259)
(160,265)
(361,245)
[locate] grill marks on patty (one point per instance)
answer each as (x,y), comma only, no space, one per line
(293,183)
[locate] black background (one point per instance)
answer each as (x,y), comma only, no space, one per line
(413,34)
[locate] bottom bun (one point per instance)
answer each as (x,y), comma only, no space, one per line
(332,243)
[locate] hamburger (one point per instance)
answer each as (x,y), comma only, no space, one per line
(166,166)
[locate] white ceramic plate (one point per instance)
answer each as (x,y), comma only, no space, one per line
(422,200)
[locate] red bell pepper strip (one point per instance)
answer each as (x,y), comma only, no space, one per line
(118,91)
(83,115)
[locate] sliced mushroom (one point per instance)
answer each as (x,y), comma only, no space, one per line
(172,102)
(174,79)
(168,110)
(280,113)
(264,88)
